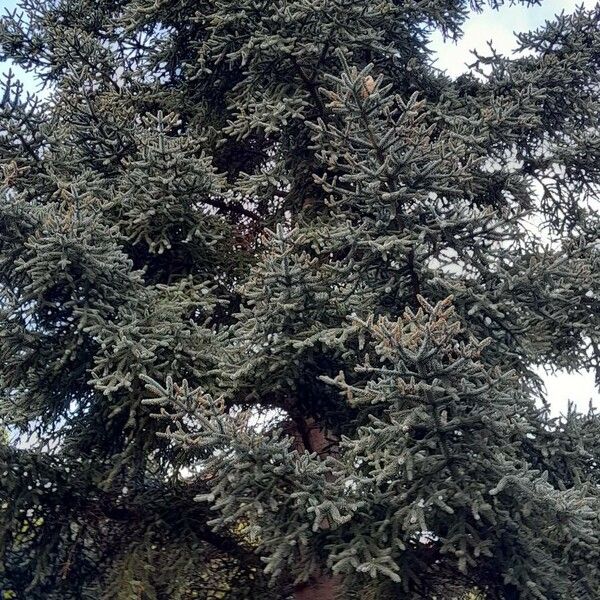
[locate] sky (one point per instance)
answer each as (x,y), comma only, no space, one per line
(497,26)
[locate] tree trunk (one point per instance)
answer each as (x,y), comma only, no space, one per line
(322,588)
(311,437)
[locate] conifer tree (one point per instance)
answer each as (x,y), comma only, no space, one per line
(274,291)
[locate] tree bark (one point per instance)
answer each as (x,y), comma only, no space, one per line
(310,436)
(324,587)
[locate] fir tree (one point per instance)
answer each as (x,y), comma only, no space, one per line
(272,305)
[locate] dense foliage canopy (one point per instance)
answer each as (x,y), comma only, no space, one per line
(273,293)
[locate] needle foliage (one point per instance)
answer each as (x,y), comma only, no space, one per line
(274,291)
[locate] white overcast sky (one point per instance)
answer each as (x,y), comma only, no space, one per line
(499,27)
